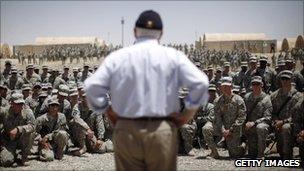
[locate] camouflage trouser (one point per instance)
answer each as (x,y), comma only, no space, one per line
(8,152)
(256,137)
(285,141)
(80,139)
(301,148)
(187,134)
(208,133)
(58,142)
(235,149)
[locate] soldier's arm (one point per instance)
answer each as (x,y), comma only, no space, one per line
(99,125)
(218,120)
(210,113)
(241,116)
(267,110)
(30,120)
(298,117)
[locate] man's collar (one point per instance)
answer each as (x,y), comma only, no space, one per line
(146,40)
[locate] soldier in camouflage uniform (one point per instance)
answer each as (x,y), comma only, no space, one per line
(31,77)
(45,75)
(32,100)
(14,81)
(230,114)
(17,133)
(267,75)
(298,127)
(88,129)
(85,73)
(250,73)
(283,101)
(239,78)
(297,76)
(7,70)
(259,108)
(52,128)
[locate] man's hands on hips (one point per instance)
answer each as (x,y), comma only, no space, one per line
(182,118)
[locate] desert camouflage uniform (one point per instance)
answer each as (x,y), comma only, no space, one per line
(284,137)
(230,115)
(25,123)
(260,109)
(54,130)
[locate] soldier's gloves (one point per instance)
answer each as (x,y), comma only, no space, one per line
(44,143)
(13,133)
(300,137)
(90,133)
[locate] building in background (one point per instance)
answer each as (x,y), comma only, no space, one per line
(252,42)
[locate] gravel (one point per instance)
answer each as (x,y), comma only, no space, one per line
(106,162)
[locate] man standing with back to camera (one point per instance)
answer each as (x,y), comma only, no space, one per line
(143,82)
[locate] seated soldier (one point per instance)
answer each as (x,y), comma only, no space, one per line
(17,132)
(52,128)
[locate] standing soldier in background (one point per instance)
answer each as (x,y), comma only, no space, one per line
(18,128)
(145,134)
(259,108)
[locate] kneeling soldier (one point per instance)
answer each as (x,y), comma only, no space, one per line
(18,128)
(52,128)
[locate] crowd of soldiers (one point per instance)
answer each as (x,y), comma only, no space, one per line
(64,53)
(49,111)
(250,108)
(246,108)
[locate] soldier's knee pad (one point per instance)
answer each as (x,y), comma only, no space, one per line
(62,135)
(6,158)
(286,128)
(262,128)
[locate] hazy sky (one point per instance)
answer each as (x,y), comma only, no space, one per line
(184,21)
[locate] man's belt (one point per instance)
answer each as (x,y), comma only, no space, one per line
(146,118)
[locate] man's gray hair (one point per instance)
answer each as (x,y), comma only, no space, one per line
(142,32)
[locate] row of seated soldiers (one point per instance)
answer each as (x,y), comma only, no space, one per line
(243,121)
(49,119)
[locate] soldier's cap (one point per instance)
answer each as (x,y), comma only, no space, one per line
(66,67)
(205,70)
(8,62)
(243,90)
(62,93)
(256,79)
(286,74)
(26,87)
(212,87)
(218,69)
(30,66)
(54,91)
(64,88)
(49,85)
(14,71)
(17,98)
(80,86)
(253,59)
(263,58)
(85,65)
(45,67)
(37,84)
(183,92)
(36,67)
(53,101)
(73,92)
(83,95)
(244,64)
(198,64)
(95,67)
(281,63)
(42,94)
(3,86)
(226,81)
(226,64)
(236,88)
(289,60)
(149,19)
(75,69)
(210,68)
(44,86)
